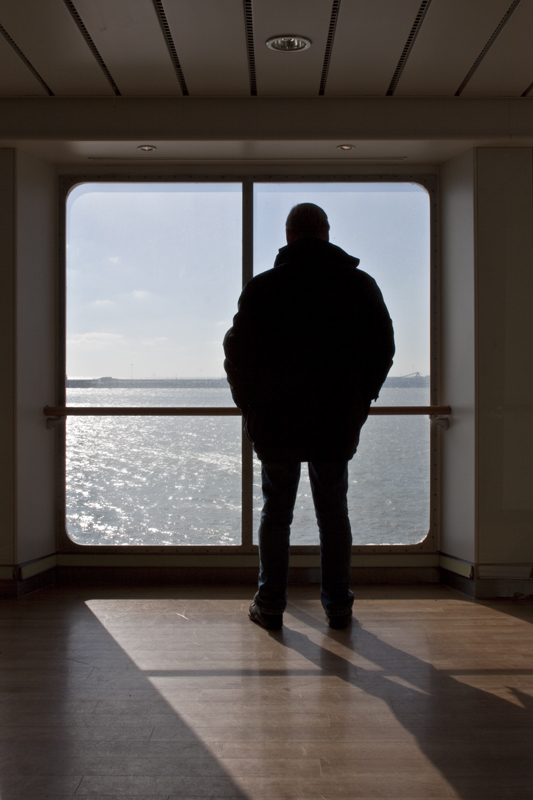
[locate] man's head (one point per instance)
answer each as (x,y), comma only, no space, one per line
(307,219)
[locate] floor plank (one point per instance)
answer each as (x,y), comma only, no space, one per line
(171,692)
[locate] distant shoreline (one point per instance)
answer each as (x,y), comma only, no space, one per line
(414,381)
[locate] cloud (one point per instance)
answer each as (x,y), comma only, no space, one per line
(157,340)
(140,294)
(103,303)
(96,341)
(114,259)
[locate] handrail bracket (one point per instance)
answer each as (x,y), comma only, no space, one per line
(441,420)
(54,422)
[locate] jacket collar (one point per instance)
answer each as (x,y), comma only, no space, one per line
(313,249)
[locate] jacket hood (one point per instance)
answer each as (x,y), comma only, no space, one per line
(310,249)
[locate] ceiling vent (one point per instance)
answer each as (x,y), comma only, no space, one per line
(481,56)
(91,45)
(249,30)
(165,27)
(26,61)
(417,24)
(329,46)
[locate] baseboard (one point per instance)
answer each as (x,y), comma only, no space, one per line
(231,575)
(156,575)
(392,575)
(479,588)
(175,575)
(18,587)
(487,588)
(459,582)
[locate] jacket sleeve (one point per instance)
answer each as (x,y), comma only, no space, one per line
(380,342)
(241,355)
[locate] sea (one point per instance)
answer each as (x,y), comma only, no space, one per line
(177,480)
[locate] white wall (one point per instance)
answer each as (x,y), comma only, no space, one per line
(36,322)
(504,243)
(487,358)
(458,520)
(27,358)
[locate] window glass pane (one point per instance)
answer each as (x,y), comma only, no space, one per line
(154,480)
(153,273)
(387,226)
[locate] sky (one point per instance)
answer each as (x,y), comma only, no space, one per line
(154,271)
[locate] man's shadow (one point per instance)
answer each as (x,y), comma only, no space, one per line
(479,742)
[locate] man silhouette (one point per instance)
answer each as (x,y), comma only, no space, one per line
(310,347)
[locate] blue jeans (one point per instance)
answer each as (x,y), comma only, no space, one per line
(329,485)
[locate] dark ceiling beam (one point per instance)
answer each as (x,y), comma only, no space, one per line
(264,118)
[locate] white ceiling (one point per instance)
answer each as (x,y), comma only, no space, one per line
(452,36)
(184,155)
(369,41)
(216,49)
(99,47)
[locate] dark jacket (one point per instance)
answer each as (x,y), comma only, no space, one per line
(310,346)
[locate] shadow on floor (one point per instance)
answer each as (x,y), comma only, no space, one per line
(480,742)
(81,716)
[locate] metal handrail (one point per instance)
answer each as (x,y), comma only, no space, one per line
(217,411)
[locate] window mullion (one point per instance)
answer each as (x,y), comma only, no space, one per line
(247,451)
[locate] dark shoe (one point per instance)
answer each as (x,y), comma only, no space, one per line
(272,622)
(339,621)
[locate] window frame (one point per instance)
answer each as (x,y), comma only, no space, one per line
(68,182)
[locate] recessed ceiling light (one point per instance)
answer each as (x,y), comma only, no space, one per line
(345,146)
(146,148)
(288,44)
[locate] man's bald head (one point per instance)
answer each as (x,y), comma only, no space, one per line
(307,219)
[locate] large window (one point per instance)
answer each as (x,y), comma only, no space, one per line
(154,271)
(386,225)
(153,274)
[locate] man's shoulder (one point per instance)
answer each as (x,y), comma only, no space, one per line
(260,282)
(364,278)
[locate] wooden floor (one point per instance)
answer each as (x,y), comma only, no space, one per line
(174,693)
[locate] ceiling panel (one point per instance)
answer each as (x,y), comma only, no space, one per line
(453,34)
(210,40)
(50,39)
(128,36)
(507,69)
(369,41)
(172,156)
(15,77)
(320,152)
(285,74)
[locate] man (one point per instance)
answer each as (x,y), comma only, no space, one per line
(310,347)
